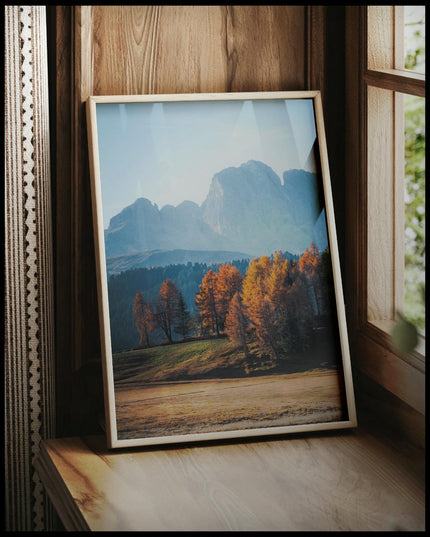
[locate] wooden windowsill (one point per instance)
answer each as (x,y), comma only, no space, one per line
(415,358)
(349,480)
(403,376)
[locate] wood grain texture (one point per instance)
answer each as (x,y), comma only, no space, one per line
(75,298)
(380,44)
(382,411)
(195,49)
(396,80)
(405,380)
(59,51)
(316,50)
(355,173)
(380,203)
(319,483)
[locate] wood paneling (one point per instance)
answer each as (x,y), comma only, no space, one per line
(356,194)
(193,49)
(316,49)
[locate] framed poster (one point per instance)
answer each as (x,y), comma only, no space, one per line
(220,295)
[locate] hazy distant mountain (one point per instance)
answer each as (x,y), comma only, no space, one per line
(142,226)
(163,258)
(258,214)
(247,209)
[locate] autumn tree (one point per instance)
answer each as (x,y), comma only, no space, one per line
(308,268)
(143,319)
(279,280)
(259,305)
(308,298)
(167,307)
(206,302)
(228,282)
(236,324)
(182,326)
(300,314)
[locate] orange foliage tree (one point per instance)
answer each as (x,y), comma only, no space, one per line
(206,302)
(236,323)
(276,294)
(277,302)
(258,296)
(228,282)
(167,307)
(308,267)
(143,318)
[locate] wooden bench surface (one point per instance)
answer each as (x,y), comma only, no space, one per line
(325,482)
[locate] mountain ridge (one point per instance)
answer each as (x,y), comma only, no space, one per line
(162,258)
(247,209)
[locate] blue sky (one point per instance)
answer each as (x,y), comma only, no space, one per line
(169,152)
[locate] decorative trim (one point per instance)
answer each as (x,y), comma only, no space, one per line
(29,353)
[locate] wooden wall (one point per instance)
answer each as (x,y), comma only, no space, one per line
(107,50)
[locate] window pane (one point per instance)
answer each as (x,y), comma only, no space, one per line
(414,38)
(415,209)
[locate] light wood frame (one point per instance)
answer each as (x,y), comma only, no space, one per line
(107,361)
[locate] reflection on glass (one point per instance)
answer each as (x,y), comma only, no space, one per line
(415,210)
(414,38)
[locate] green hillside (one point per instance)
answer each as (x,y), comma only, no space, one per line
(209,358)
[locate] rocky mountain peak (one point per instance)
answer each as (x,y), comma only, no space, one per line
(247,209)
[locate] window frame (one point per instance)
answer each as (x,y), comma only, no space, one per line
(367,74)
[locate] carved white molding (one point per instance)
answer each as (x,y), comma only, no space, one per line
(29,330)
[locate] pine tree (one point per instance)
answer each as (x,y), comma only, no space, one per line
(182,326)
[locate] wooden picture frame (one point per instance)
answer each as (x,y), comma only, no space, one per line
(220,295)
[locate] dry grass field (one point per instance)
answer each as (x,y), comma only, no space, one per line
(201,406)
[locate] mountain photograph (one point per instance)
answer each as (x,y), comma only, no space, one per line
(246,207)
(219,278)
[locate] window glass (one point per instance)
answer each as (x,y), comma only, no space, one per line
(414,38)
(414,307)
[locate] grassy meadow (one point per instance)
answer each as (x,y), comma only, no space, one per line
(208,385)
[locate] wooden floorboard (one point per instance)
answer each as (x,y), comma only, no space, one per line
(343,481)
